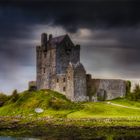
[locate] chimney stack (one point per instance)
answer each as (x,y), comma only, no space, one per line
(50,37)
(43,39)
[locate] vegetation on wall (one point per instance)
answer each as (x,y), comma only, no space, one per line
(132,95)
(101,95)
(91,93)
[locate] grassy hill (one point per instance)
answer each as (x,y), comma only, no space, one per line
(57,106)
(66,118)
(53,104)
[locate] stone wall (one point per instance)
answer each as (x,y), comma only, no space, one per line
(53,58)
(109,88)
(46,67)
(70,81)
(80,88)
(60,83)
(59,69)
(46,63)
(91,87)
(76,82)
(66,52)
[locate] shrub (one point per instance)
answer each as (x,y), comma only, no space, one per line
(128,87)
(15,96)
(61,104)
(3,99)
(135,95)
(57,103)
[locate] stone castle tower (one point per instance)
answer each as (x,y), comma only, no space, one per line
(59,67)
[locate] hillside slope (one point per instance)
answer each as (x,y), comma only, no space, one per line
(51,102)
(57,106)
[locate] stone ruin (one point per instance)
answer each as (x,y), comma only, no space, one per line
(59,69)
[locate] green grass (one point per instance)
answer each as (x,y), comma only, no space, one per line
(86,119)
(126,102)
(56,105)
(53,104)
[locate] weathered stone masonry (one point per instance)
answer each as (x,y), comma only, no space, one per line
(106,88)
(59,69)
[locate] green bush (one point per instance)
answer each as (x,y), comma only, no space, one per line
(15,96)
(61,104)
(3,99)
(57,103)
(135,95)
(128,87)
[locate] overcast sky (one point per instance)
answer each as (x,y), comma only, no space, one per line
(108,31)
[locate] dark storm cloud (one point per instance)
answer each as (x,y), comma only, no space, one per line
(18,16)
(114,26)
(73,14)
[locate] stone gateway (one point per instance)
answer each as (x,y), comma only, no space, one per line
(59,69)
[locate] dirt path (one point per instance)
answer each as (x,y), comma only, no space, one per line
(123,106)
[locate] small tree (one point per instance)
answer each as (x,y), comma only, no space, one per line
(137,92)
(135,95)
(15,95)
(3,99)
(128,87)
